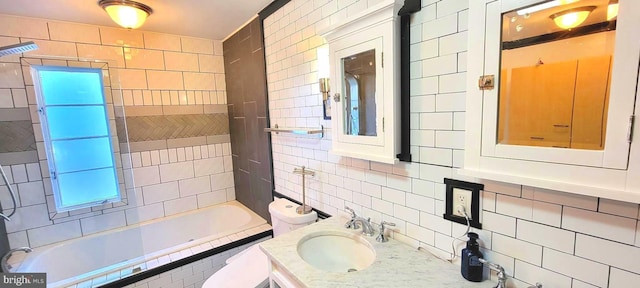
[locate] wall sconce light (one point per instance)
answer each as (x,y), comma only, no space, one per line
(323,71)
(324,88)
(323,79)
(612,10)
(571,18)
(126,13)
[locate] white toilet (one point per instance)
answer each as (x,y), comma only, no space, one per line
(250,267)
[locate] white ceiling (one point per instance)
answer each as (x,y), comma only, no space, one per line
(212,19)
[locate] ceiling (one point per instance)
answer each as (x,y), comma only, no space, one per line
(211,19)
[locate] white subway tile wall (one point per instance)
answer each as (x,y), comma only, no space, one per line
(558,239)
(152,69)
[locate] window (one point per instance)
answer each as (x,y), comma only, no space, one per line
(77,138)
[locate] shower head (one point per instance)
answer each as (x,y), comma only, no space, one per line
(18,48)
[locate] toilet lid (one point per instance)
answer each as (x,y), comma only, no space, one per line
(249,270)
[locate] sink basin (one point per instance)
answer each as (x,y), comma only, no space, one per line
(335,252)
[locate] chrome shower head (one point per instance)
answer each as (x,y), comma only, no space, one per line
(18,48)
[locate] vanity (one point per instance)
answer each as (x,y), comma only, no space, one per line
(302,258)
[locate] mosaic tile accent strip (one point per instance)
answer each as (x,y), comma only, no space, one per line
(149,128)
(17,136)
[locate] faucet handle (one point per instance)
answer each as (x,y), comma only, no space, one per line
(383,225)
(502,276)
(353,213)
(351,223)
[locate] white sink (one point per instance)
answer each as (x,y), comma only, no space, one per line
(336,252)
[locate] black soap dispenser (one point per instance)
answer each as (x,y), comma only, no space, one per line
(471,267)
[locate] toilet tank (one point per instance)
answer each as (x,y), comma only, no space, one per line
(284,217)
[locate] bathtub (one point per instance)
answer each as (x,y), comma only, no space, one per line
(118,253)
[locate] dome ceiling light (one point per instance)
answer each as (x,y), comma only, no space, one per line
(126,13)
(571,18)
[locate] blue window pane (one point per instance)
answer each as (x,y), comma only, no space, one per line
(72,87)
(76,122)
(83,154)
(78,137)
(87,186)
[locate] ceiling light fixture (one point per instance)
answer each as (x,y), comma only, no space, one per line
(126,13)
(543,6)
(571,18)
(612,10)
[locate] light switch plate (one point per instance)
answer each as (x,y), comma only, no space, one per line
(465,194)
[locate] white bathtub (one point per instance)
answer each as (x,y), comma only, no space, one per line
(77,260)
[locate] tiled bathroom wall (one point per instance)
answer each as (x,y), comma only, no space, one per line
(558,239)
(192,275)
(247,97)
(170,89)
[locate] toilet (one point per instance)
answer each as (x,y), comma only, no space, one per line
(250,267)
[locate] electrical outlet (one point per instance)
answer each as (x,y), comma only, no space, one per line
(466,194)
(461,197)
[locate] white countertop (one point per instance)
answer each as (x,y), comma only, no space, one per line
(396,264)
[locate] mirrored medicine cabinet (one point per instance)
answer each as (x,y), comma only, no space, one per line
(364,74)
(560,113)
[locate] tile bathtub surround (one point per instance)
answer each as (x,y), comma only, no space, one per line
(146,71)
(165,182)
(192,275)
(558,239)
(198,271)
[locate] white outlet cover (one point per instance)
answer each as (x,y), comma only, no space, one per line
(462,197)
(466,194)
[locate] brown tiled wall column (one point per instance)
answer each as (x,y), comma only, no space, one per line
(246,95)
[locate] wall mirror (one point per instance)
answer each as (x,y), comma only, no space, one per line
(555,74)
(560,67)
(561,114)
(364,76)
(359,94)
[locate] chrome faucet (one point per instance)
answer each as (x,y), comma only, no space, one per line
(3,262)
(367,229)
(502,276)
